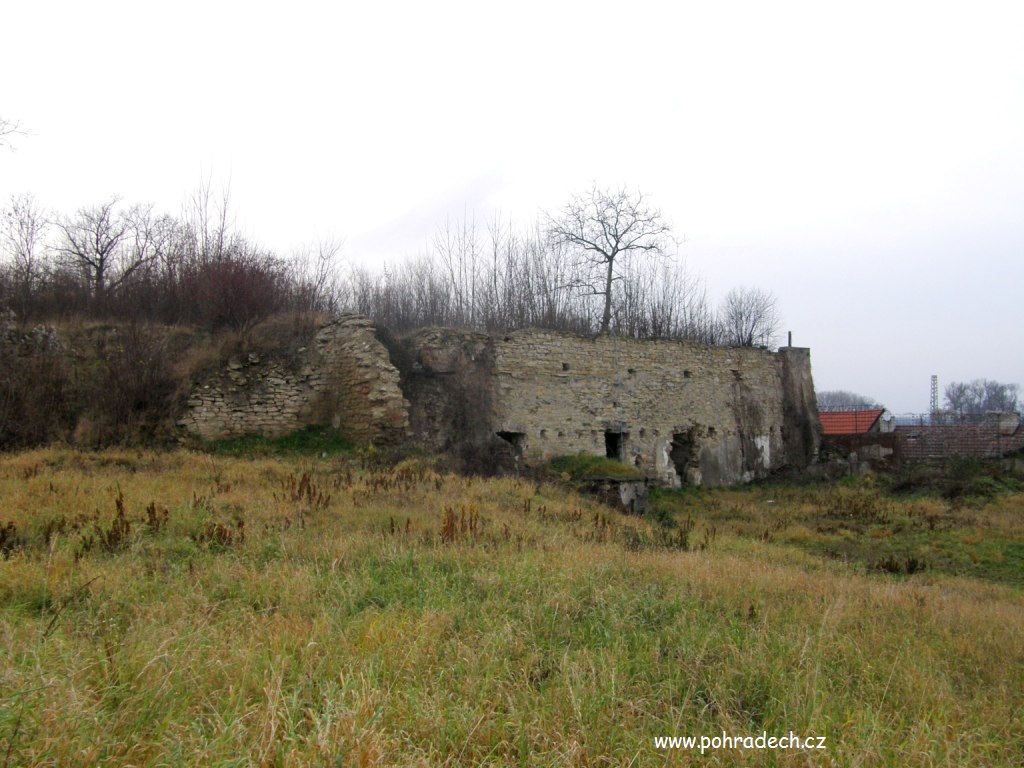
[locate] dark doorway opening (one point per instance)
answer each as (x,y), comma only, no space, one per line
(613,445)
(515,439)
(680,453)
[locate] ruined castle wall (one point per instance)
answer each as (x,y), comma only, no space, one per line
(680,412)
(801,425)
(448,378)
(342,377)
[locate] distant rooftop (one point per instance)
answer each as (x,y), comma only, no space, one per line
(849,422)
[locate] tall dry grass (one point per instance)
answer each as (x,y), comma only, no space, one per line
(293,612)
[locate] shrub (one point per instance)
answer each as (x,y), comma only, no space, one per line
(583,466)
(34,383)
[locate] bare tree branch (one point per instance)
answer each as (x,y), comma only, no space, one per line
(606,227)
(108,246)
(9,128)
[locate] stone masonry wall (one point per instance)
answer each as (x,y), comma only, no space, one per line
(449,382)
(680,412)
(342,377)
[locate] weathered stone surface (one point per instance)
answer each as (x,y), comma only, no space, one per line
(344,379)
(679,412)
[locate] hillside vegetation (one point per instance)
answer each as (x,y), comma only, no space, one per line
(96,384)
(188,608)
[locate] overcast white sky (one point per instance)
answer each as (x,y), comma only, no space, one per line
(863,161)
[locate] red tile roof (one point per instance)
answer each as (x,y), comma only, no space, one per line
(849,422)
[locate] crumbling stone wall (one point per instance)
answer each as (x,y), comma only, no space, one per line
(680,412)
(343,377)
(448,378)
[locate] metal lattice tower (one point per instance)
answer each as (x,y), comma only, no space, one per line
(935,394)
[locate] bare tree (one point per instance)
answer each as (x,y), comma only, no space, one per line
(8,128)
(958,396)
(317,276)
(91,241)
(23,230)
(749,318)
(208,222)
(840,399)
(108,246)
(459,248)
(981,396)
(606,227)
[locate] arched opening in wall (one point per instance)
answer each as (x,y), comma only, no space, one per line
(515,439)
(681,452)
(613,443)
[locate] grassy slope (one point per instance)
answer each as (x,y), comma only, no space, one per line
(405,618)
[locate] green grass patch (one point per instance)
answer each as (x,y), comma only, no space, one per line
(965,523)
(583,466)
(309,441)
(958,479)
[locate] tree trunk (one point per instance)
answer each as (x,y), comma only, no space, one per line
(606,320)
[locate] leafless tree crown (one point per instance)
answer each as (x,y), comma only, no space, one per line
(749,318)
(840,399)
(981,396)
(108,244)
(604,227)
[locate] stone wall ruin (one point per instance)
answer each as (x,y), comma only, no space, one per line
(343,378)
(681,413)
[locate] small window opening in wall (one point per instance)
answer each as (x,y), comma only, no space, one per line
(565,366)
(631,371)
(736,374)
(687,374)
(643,432)
(711,431)
(515,439)
(613,445)
(543,433)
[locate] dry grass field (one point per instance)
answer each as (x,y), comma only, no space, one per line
(181,608)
